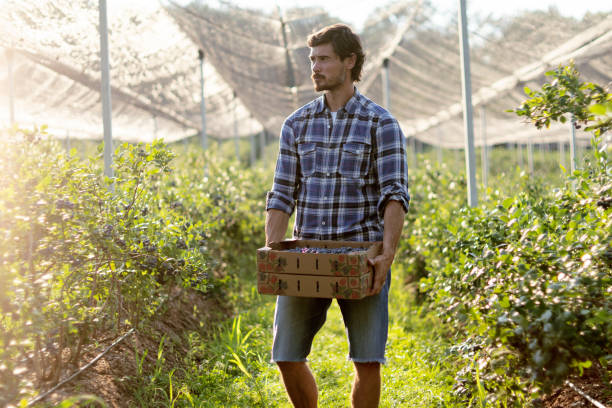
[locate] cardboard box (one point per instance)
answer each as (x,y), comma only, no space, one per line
(342,276)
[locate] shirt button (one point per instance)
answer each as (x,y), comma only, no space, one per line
(328,174)
(323,223)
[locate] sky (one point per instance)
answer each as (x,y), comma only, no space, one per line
(355,12)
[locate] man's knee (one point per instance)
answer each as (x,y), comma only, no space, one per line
(290,367)
(367,369)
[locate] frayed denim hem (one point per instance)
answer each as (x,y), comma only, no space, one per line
(382,361)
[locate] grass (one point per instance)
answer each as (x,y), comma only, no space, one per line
(233,370)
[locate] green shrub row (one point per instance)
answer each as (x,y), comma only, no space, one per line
(84,257)
(524,281)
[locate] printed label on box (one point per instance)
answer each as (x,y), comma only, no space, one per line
(303,268)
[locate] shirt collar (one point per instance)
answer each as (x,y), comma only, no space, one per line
(350,106)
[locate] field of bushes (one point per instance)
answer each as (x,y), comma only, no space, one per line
(495,305)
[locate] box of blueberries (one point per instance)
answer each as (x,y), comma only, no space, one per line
(312,268)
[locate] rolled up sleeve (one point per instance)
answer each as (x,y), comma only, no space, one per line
(285,187)
(391,165)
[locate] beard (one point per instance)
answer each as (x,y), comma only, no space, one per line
(323,83)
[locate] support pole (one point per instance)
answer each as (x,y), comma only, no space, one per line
(290,75)
(519,152)
(253,143)
(530,154)
(11,83)
(106,92)
(386,90)
(413,148)
(294,97)
(562,153)
(236,141)
(262,143)
(573,144)
(485,153)
(466,82)
(203,139)
(155,129)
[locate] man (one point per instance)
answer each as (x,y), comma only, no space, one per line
(342,168)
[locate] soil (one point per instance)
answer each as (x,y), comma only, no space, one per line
(593,382)
(112,378)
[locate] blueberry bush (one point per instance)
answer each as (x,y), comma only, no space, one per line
(523,282)
(84,257)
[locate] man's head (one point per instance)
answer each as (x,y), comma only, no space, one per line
(340,43)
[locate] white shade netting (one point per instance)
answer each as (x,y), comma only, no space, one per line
(257,72)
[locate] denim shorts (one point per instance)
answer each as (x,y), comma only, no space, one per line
(298,319)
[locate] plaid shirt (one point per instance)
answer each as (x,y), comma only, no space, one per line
(340,174)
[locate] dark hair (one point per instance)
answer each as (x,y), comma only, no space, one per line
(345,43)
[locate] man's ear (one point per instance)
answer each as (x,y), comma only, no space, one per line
(350,61)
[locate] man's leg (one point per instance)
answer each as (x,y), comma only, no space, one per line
(296,322)
(366,388)
(299,383)
(367,323)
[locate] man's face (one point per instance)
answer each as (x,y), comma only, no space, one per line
(329,72)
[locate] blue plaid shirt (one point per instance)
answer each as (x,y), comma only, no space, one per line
(339,175)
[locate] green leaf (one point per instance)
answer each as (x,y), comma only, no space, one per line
(598,109)
(504,302)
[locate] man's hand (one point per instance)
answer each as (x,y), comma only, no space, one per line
(394,222)
(380,265)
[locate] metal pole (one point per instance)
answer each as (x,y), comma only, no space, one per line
(236,141)
(106,92)
(573,144)
(262,143)
(386,90)
(530,154)
(413,148)
(485,153)
(11,83)
(154,127)
(202,102)
(466,82)
(253,143)
(294,97)
(562,153)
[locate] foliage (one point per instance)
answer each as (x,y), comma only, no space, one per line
(232,201)
(523,280)
(566,94)
(79,258)
(418,372)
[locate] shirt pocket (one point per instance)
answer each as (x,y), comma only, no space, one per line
(355,159)
(307,154)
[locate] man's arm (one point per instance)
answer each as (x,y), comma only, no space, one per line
(276,225)
(280,201)
(394,223)
(394,200)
